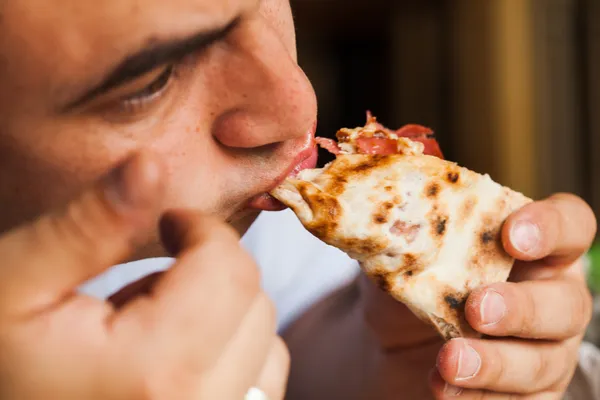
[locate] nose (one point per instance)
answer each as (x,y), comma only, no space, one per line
(270,99)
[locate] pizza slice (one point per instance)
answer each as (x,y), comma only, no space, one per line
(424,229)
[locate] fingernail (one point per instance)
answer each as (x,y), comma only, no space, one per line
(451,390)
(492,308)
(525,236)
(469,363)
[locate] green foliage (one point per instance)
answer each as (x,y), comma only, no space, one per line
(594,271)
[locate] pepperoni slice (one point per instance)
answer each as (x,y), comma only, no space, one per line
(432,147)
(380,142)
(424,135)
(374,145)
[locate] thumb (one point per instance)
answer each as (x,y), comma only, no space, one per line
(46,260)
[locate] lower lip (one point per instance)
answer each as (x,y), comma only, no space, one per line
(266,202)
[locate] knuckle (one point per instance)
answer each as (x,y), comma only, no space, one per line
(245,275)
(498,371)
(267,307)
(282,355)
(540,367)
(528,318)
(583,312)
(563,376)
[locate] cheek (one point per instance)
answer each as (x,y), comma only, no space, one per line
(200,174)
(38,174)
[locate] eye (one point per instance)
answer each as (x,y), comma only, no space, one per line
(150,92)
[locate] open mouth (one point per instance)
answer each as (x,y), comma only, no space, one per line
(307,159)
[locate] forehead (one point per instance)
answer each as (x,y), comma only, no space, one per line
(114,18)
(66,34)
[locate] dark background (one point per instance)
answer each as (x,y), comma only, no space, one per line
(511,87)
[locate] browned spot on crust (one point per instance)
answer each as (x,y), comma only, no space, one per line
(382,282)
(439,224)
(382,213)
(363,247)
(453,177)
(326,209)
(466,210)
(346,168)
(379,219)
(411,265)
(342,136)
(360,165)
(382,278)
(432,190)
(488,249)
(487,237)
(455,302)
(410,261)
(388,188)
(337,184)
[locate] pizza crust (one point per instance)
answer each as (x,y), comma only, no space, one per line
(424,229)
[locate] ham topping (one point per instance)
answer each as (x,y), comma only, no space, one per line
(410,232)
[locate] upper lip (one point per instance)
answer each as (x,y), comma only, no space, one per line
(305,152)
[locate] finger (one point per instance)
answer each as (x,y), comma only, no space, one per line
(523,271)
(561,227)
(46,260)
(206,294)
(550,309)
(247,352)
(140,288)
(443,390)
(505,366)
(274,375)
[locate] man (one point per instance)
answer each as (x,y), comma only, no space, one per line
(198,106)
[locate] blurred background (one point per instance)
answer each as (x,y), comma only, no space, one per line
(511,87)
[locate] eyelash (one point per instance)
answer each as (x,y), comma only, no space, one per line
(151,92)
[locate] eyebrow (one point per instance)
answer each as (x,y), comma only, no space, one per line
(153,56)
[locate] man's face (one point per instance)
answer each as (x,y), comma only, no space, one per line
(211,86)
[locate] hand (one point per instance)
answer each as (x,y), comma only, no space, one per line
(537,321)
(204,331)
